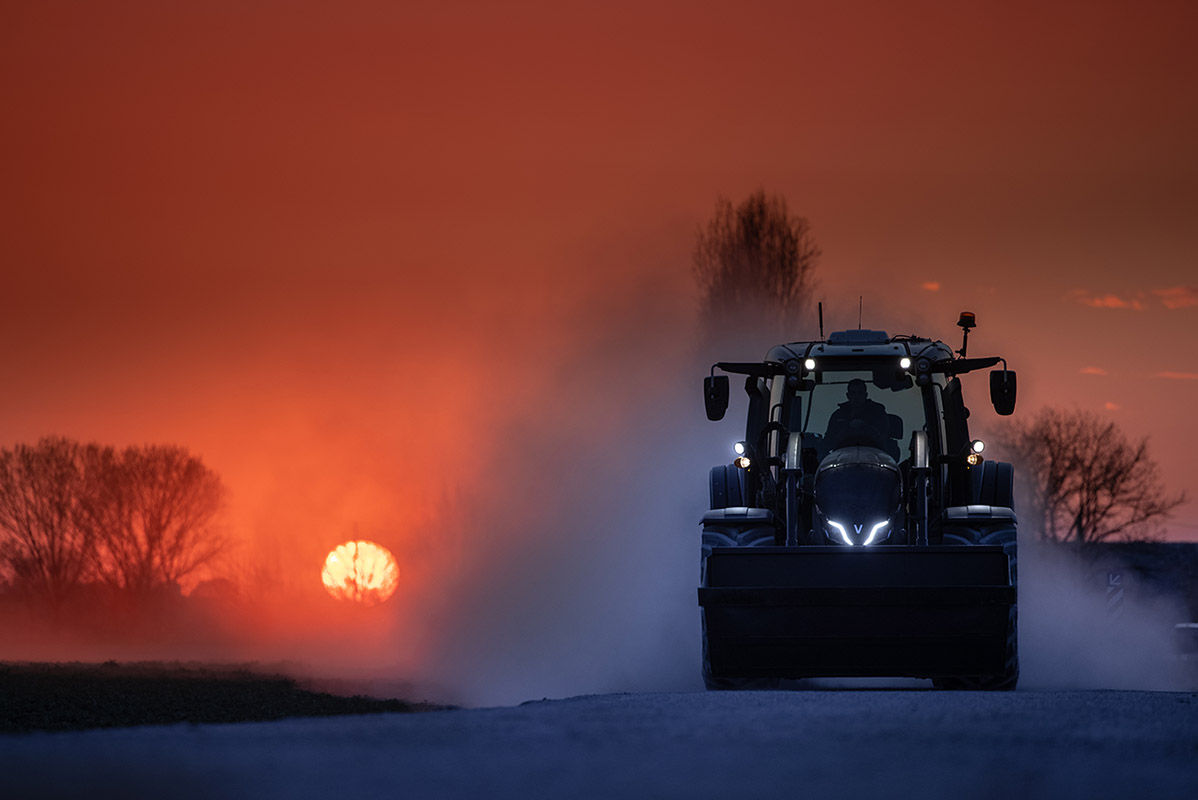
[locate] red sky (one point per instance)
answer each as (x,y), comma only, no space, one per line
(331,246)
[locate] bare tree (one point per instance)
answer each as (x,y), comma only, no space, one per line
(1085,480)
(753,263)
(153,511)
(43,545)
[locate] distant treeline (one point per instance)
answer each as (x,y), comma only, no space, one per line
(75,517)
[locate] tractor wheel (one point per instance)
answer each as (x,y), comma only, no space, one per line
(727,487)
(749,536)
(1001,682)
(729,536)
(994,484)
(719,684)
(1009,677)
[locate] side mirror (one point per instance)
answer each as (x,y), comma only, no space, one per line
(1002,391)
(715,396)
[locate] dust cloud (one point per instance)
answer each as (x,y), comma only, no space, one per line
(579,543)
(1086,622)
(561,557)
(578,539)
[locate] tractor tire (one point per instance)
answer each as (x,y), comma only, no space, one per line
(748,536)
(720,684)
(1004,485)
(994,484)
(1000,682)
(727,487)
(1009,677)
(715,535)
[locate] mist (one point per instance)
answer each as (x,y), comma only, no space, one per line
(580,556)
(578,540)
(547,528)
(1077,633)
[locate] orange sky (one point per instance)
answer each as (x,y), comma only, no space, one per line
(334,247)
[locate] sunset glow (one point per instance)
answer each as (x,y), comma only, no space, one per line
(423,273)
(361,572)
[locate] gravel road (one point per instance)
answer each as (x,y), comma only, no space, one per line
(863,743)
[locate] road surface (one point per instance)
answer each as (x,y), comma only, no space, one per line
(864,743)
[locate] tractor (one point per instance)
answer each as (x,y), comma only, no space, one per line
(859,530)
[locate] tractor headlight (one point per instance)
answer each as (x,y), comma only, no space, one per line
(740,448)
(877,531)
(844,534)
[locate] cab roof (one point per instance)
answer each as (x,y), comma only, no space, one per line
(863,344)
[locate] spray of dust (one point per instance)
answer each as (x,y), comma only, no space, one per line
(563,560)
(578,540)
(1088,622)
(1087,618)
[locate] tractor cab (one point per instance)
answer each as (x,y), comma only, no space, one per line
(865,410)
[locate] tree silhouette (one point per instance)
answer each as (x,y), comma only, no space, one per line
(753,263)
(137,519)
(153,510)
(1084,479)
(44,546)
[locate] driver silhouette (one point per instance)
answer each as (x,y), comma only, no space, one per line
(858,420)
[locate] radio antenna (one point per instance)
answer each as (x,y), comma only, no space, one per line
(859,304)
(821,319)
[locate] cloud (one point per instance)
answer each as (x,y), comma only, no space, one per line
(1175,297)
(1109,406)
(1171,297)
(1093,371)
(930,286)
(1105,300)
(1178,376)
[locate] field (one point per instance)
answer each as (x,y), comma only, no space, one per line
(74,696)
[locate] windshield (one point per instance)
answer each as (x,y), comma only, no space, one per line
(849,407)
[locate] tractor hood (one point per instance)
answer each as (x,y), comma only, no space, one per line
(858,494)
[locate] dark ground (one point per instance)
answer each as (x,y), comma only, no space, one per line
(58,697)
(915,743)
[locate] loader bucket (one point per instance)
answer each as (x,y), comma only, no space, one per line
(799,612)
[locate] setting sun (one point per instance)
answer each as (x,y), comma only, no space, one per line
(359,571)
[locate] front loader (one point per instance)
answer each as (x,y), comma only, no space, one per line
(859,530)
